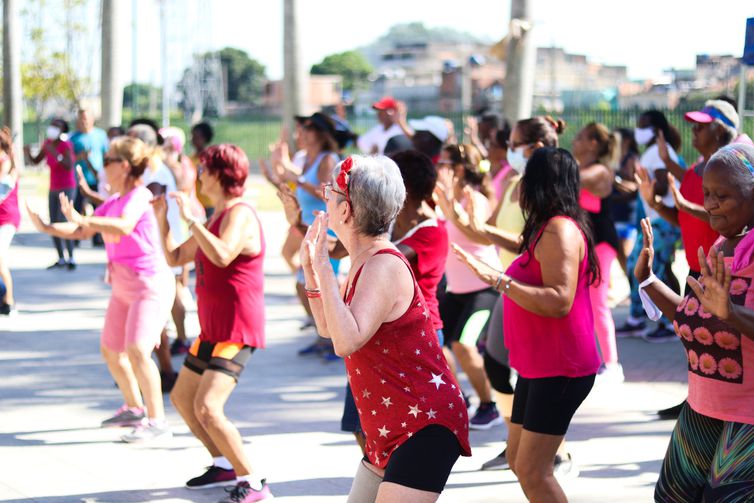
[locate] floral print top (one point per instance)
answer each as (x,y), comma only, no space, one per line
(720,358)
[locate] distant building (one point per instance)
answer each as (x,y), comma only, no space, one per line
(323,91)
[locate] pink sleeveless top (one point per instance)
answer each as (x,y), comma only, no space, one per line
(542,346)
(230,300)
(401,382)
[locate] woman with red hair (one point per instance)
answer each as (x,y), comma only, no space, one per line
(228,252)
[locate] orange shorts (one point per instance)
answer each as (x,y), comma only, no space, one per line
(226,357)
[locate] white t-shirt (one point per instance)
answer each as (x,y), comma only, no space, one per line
(164,176)
(651,161)
(378,136)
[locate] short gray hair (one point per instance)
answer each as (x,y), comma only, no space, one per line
(144,133)
(738,159)
(377,193)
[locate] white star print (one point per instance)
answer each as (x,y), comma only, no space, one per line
(382,381)
(436,380)
(422,399)
(453,386)
(402,374)
(418,367)
(358,371)
(424,334)
(386,402)
(385,351)
(450,405)
(403,425)
(431,414)
(407,389)
(366,393)
(414,410)
(410,434)
(383,431)
(374,412)
(384,454)
(418,351)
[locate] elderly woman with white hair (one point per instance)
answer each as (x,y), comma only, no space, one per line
(410,406)
(710,453)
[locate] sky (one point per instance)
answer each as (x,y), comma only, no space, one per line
(648,36)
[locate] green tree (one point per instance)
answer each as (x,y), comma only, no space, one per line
(140,96)
(245,76)
(351,65)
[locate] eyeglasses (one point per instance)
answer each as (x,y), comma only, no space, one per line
(109,160)
(327,190)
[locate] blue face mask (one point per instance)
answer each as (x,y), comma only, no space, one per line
(517,160)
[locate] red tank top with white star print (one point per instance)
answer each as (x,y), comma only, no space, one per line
(401,382)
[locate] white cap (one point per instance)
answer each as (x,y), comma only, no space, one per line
(432,123)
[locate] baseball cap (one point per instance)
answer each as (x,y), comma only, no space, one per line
(432,123)
(386,103)
(714,110)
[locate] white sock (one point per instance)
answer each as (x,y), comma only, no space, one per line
(222,462)
(254,481)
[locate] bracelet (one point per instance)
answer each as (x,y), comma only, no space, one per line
(507,285)
(499,280)
(313,293)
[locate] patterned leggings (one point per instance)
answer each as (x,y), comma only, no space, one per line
(708,461)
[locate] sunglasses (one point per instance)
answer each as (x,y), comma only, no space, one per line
(109,160)
(327,190)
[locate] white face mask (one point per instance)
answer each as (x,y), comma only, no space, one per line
(517,160)
(643,135)
(53,132)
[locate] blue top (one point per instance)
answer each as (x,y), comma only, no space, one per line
(309,203)
(95,143)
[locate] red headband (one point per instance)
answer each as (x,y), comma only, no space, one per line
(344,176)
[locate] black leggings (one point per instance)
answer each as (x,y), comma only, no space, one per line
(56,215)
(458,309)
(425,460)
(547,404)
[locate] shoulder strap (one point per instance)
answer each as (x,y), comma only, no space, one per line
(390,251)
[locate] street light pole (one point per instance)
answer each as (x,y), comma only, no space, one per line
(12,98)
(294,75)
(112,78)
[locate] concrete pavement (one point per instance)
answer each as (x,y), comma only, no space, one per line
(55,390)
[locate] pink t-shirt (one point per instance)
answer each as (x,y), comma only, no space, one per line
(721,358)
(542,346)
(497,181)
(60,178)
(141,250)
(461,279)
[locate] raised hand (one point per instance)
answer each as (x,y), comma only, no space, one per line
(680,201)
(483,271)
(184,205)
(662,146)
(477,221)
(66,206)
(643,268)
(713,289)
(646,185)
(291,206)
(160,207)
(36,219)
(314,247)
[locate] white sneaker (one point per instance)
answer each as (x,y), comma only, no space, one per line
(148,432)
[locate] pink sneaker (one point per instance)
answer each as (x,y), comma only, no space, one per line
(244,493)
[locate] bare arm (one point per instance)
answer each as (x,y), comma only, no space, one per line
(661,294)
(597,179)
(64,230)
(683,204)
(174,255)
(673,167)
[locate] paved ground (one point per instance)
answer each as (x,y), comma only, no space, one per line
(54,391)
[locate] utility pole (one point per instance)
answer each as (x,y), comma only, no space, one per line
(518,86)
(12,98)
(294,74)
(112,79)
(164,64)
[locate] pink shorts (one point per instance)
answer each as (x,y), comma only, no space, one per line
(139,308)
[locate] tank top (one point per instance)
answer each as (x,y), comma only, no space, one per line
(694,232)
(542,346)
(401,382)
(230,300)
(510,218)
(600,219)
(9,211)
(309,203)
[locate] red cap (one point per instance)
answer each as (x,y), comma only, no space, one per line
(386,103)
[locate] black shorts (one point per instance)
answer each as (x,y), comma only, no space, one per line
(425,460)
(498,374)
(226,357)
(547,405)
(465,316)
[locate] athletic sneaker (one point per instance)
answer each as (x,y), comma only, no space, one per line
(7,310)
(328,355)
(60,264)
(564,468)
(661,334)
(629,329)
(486,417)
(314,348)
(243,493)
(213,477)
(71,266)
(499,462)
(179,347)
(146,432)
(124,417)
